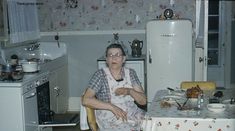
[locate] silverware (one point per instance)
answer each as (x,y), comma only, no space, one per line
(170,89)
(232,100)
(185,102)
(179,106)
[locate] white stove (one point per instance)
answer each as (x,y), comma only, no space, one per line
(28,82)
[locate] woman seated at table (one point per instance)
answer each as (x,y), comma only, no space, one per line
(112,91)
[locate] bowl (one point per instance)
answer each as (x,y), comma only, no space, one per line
(216,107)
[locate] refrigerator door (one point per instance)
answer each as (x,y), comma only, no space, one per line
(169,59)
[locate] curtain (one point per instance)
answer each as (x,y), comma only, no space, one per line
(23,20)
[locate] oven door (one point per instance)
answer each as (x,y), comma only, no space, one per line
(47,117)
(30,110)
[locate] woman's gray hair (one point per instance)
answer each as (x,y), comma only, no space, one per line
(119,46)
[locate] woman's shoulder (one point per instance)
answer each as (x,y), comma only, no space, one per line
(130,69)
(100,71)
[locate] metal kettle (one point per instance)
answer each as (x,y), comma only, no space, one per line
(136,47)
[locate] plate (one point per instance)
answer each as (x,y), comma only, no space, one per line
(178,92)
(216,107)
(172,98)
(227,102)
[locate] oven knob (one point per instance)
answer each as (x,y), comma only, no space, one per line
(37,83)
(28,88)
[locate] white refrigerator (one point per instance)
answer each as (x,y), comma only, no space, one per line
(169,54)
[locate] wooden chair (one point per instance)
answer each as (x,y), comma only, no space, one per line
(91,119)
(204,85)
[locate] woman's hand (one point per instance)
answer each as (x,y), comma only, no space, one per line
(122,91)
(119,113)
(135,93)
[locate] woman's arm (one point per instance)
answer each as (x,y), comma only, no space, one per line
(89,100)
(136,93)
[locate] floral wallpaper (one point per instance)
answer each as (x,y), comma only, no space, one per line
(90,15)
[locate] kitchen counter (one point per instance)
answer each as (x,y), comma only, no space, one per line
(54,64)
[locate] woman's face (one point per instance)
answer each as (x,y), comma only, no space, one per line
(115,58)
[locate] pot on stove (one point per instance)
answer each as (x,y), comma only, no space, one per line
(11,72)
(29,66)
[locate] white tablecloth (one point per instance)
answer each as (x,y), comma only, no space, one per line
(172,119)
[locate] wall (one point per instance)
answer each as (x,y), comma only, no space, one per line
(83,52)
(77,15)
(87,26)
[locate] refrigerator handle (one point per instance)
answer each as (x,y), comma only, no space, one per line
(150,56)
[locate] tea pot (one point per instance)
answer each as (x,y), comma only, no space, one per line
(136,47)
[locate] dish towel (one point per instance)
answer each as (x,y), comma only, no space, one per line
(83,118)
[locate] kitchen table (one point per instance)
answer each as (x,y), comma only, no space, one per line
(170,118)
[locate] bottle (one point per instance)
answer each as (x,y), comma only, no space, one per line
(200,101)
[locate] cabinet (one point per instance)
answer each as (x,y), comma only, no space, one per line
(3,22)
(59,89)
(18,22)
(18,111)
(138,64)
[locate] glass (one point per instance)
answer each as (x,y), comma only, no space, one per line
(117,55)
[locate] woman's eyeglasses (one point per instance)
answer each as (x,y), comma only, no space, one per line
(117,55)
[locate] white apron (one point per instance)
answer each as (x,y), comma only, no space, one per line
(106,120)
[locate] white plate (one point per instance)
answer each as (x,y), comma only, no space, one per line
(227,102)
(178,92)
(216,107)
(172,98)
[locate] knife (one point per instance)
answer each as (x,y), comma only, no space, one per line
(185,102)
(170,89)
(179,106)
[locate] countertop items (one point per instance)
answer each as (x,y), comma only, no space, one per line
(216,107)
(214,116)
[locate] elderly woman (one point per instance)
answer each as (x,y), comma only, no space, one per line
(113,91)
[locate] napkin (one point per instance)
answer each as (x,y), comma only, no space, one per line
(83,118)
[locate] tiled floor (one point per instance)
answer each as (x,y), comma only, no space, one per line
(76,128)
(67,128)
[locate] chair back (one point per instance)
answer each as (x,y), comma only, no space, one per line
(204,85)
(91,119)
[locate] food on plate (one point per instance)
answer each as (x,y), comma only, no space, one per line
(165,104)
(193,92)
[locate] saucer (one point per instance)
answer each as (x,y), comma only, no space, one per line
(216,107)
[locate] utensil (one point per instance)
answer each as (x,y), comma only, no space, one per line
(179,106)
(232,100)
(185,102)
(170,89)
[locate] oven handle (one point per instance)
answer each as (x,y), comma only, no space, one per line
(31,95)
